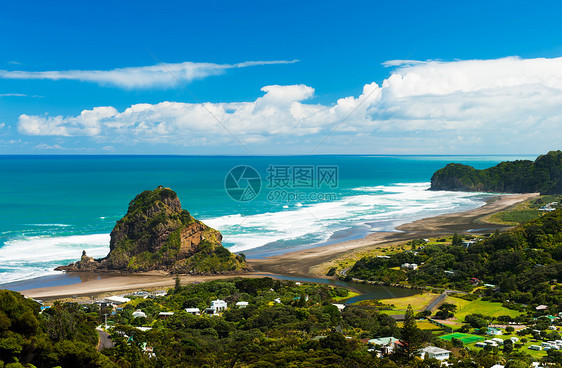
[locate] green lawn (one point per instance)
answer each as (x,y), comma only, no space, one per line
(482,307)
(464,337)
(418,301)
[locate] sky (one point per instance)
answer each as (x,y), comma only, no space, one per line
(291,77)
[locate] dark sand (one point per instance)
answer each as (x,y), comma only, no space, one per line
(298,263)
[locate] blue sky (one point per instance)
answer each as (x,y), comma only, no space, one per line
(329,77)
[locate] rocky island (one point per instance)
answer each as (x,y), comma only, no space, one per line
(544,175)
(157,234)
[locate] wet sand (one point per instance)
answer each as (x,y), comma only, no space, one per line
(298,263)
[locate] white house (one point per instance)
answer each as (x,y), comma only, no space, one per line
(118,299)
(219,305)
(541,307)
(216,307)
(138,314)
(166,314)
(340,307)
(497,340)
(193,311)
(241,305)
(409,266)
(434,352)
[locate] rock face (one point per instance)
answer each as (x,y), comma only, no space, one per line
(157,234)
(544,175)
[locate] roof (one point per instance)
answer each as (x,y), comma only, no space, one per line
(118,299)
(192,310)
(434,350)
(541,307)
(383,340)
(242,303)
(166,313)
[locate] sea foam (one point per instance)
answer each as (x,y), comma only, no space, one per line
(382,207)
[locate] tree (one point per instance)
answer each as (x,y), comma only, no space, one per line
(457,240)
(177,286)
(410,336)
(507,346)
(446,310)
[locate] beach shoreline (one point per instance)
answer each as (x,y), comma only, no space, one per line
(300,263)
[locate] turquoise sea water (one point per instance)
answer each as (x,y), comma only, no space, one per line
(53,207)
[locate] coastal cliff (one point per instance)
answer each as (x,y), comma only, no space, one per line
(544,175)
(157,234)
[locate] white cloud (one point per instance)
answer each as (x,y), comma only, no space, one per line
(140,77)
(17,95)
(12,95)
(502,105)
(44,146)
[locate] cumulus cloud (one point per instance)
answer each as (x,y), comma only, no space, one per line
(444,105)
(140,77)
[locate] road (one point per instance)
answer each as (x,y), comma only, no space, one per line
(105,341)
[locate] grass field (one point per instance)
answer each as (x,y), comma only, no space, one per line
(464,337)
(418,302)
(522,212)
(482,307)
(351,294)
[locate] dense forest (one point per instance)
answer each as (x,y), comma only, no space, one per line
(524,265)
(544,175)
(301,328)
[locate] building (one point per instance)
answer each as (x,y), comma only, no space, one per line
(386,344)
(166,314)
(340,307)
(117,299)
(409,266)
(541,307)
(158,293)
(219,305)
(216,307)
(139,314)
(241,305)
(434,352)
(193,311)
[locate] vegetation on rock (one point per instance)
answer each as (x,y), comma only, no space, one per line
(157,234)
(544,175)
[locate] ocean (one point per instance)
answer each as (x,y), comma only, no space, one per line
(53,207)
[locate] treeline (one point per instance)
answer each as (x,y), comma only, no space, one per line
(544,175)
(523,265)
(63,335)
(305,329)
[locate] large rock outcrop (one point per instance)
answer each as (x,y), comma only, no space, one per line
(544,175)
(157,234)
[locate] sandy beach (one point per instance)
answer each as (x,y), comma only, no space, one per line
(298,263)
